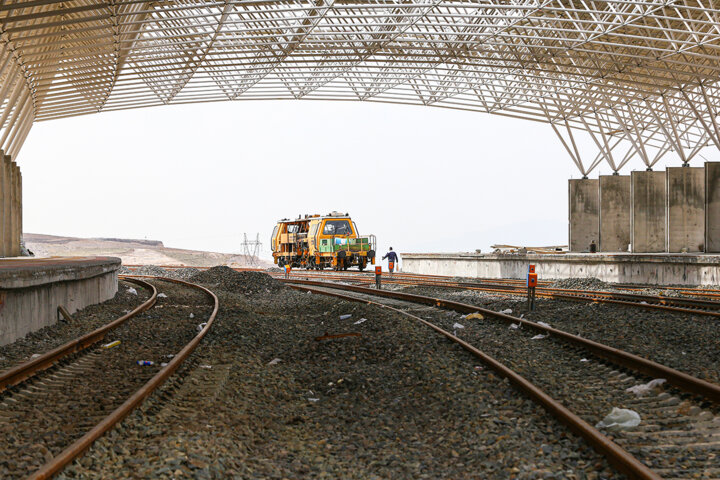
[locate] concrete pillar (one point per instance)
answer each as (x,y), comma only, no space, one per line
(615,210)
(584,214)
(712,207)
(686,209)
(649,214)
(3,253)
(17,207)
(7,207)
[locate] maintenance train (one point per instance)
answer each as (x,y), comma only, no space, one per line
(316,242)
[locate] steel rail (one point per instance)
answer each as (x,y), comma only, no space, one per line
(615,454)
(683,381)
(70,453)
(22,372)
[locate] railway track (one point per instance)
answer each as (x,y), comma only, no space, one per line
(579,382)
(56,405)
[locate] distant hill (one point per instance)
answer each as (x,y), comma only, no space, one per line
(132,252)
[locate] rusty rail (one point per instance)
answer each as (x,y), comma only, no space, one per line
(616,455)
(681,380)
(22,372)
(59,462)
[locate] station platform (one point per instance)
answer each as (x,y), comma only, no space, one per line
(650,268)
(31,289)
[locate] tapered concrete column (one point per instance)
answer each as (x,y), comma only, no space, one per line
(584,214)
(17,208)
(614,213)
(7,207)
(686,209)
(3,252)
(712,207)
(649,214)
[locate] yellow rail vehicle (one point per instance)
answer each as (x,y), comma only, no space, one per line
(316,242)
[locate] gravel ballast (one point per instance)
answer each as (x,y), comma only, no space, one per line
(262,398)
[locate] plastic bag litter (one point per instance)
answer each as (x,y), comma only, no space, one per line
(161,295)
(192,315)
(514,326)
(201,326)
(475,316)
(206,367)
(584,360)
(457,325)
(345,317)
(132,291)
(35,355)
(309,292)
(620,419)
(507,311)
(274,361)
(360,321)
(538,337)
(544,324)
(643,302)
(645,388)
(313,399)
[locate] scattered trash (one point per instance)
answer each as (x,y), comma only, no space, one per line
(201,326)
(145,362)
(309,292)
(683,353)
(360,321)
(584,360)
(206,367)
(111,344)
(507,311)
(475,316)
(620,419)
(161,295)
(345,317)
(313,399)
(643,389)
(274,361)
(169,356)
(35,355)
(479,367)
(643,302)
(544,324)
(522,315)
(192,315)
(132,291)
(514,326)
(163,364)
(538,337)
(338,335)
(457,325)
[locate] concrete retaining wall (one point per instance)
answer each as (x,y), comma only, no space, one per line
(686,209)
(32,289)
(584,214)
(712,207)
(615,224)
(660,269)
(649,202)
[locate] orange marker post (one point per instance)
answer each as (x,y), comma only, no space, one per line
(378,275)
(531,284)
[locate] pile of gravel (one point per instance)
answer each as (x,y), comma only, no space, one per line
(581,284)
(248,283)
(150,270)
(185,273)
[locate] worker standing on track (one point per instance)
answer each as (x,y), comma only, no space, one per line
(392,260)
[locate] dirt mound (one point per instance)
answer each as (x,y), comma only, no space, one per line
(185,273)
(248,283)
(151,270)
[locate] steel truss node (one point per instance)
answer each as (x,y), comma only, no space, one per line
(638,77)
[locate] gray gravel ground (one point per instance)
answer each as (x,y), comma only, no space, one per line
(41,417)
(686,342)
(85,321)
(262,398)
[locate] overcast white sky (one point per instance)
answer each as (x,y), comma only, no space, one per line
(198,176)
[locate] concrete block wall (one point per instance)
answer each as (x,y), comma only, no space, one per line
(686,209)
(712,207)
(674,211)
(10,207)
(649,198)
(615,208)
(584,213)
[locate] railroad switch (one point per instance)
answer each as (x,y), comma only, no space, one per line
(531,284)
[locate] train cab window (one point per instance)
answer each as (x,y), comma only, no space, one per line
(272,239)
(292,228)
(337,227)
